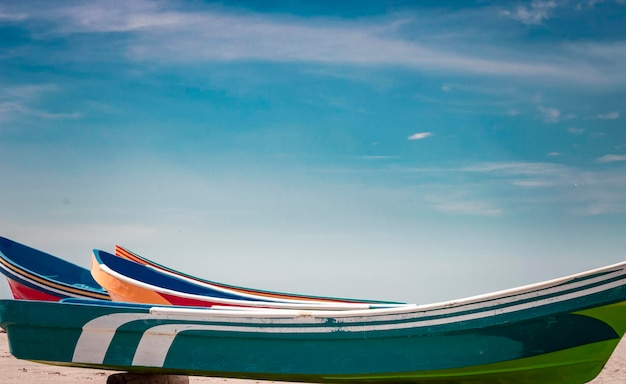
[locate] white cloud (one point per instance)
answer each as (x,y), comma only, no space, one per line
(15,100)
(8,110)
(420,135)
(230,38)
(607,57)
(156,32)
(609,116)
(10,107)
(611,158)
(12,16)
(532,183)
(587,4)
(576,131)
(116,16)
(579,191)
(549,115)
(55,116)
(614,51)
(515,168)
(29,92)
(535,14)
(554,154)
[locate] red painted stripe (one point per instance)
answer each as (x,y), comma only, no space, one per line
(123,253)
(176,300)
(22,292)
(186,302)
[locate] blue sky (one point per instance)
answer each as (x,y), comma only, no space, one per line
(400,150)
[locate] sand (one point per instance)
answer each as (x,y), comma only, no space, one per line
(14,371)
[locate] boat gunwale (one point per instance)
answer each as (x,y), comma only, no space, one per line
(365,319)
(266,295)
(598,280)
(512,293)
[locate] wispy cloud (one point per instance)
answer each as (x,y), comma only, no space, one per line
(420,135)
(611,158)
(447,87)
(12,16)
(19,100)
(608,57)
(579,191)
(549,115)
(533,183)
(54,116)
(514,168)
(576,131)
(539,11)
(9,109)
(586,4)
(28,91)
(244,37)
(609,116)
(607,51)
(162,32)
(535,14)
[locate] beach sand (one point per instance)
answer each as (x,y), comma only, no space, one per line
(14,371)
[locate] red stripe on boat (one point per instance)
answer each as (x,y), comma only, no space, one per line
(22,292)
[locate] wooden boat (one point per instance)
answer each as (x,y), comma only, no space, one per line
(36,275)
(128,281)
(560,332)
(242,293)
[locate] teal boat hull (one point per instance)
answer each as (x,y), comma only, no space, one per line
(560,332)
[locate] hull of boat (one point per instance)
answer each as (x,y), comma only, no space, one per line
(36,275)
(244,293)
(132,282)
(562,331)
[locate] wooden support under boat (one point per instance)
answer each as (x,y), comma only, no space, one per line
(146,378)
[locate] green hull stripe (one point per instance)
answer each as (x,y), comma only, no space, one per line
(571,363)
(613,315)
